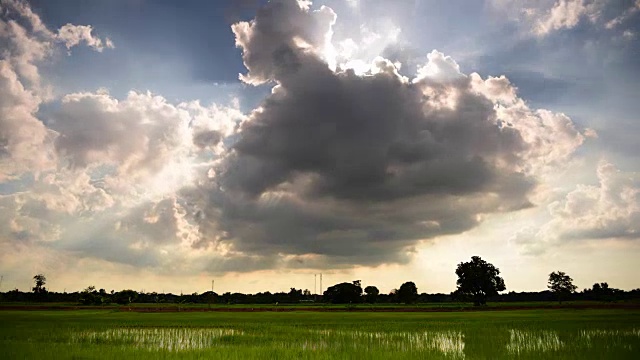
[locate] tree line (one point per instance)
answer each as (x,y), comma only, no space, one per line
(478,282)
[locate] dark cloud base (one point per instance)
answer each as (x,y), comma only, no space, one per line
(349,168)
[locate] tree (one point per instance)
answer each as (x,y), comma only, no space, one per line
(295,295)
(372,293)
(40,281)
(478,280)
(125,297)
(408,293)
(89,296)
(602,292)
(344,293)
(561,285)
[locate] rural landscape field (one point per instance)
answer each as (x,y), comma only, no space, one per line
(512,334)
(319,179)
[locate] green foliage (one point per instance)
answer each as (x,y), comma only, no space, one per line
(40,280)
(561,285)
(408,293)
(125,297)
(371,294)
(602,292)
(90,296)
(344,293)
(477,280)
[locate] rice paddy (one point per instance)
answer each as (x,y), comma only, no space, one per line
(520,334)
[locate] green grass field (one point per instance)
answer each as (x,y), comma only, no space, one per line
(455,306)
(524,334)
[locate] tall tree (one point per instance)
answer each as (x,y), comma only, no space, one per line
(40,280)
(408,293)
(561,284)
(478,280)
(344,293)
(372,293)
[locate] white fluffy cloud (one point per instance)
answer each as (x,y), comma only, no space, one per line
(120,166)
(73,35)
(23,138)
(25,142)
(609,209)
(544,17)
(552,138)
(97,177)
(140,134)
(566,14)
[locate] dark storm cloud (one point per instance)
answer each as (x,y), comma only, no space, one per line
(271,43)
(372,138)
(206,138)
(354,169)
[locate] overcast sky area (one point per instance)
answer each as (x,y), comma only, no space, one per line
(158,145)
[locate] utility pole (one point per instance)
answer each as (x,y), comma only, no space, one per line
(211,295)
(212,283)
(315,282)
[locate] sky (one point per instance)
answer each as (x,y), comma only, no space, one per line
(159,145)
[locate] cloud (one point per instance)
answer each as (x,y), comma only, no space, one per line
(26,221)
(117,197)
(24,139)
(551,138)
(565,14)
(23,10)
(352,169)
(142,144)
(280,26)
(100,171)
(73,35)
(139,134)
(337,165)
(25,142)
(609,209)
(624,17)
(542,18)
